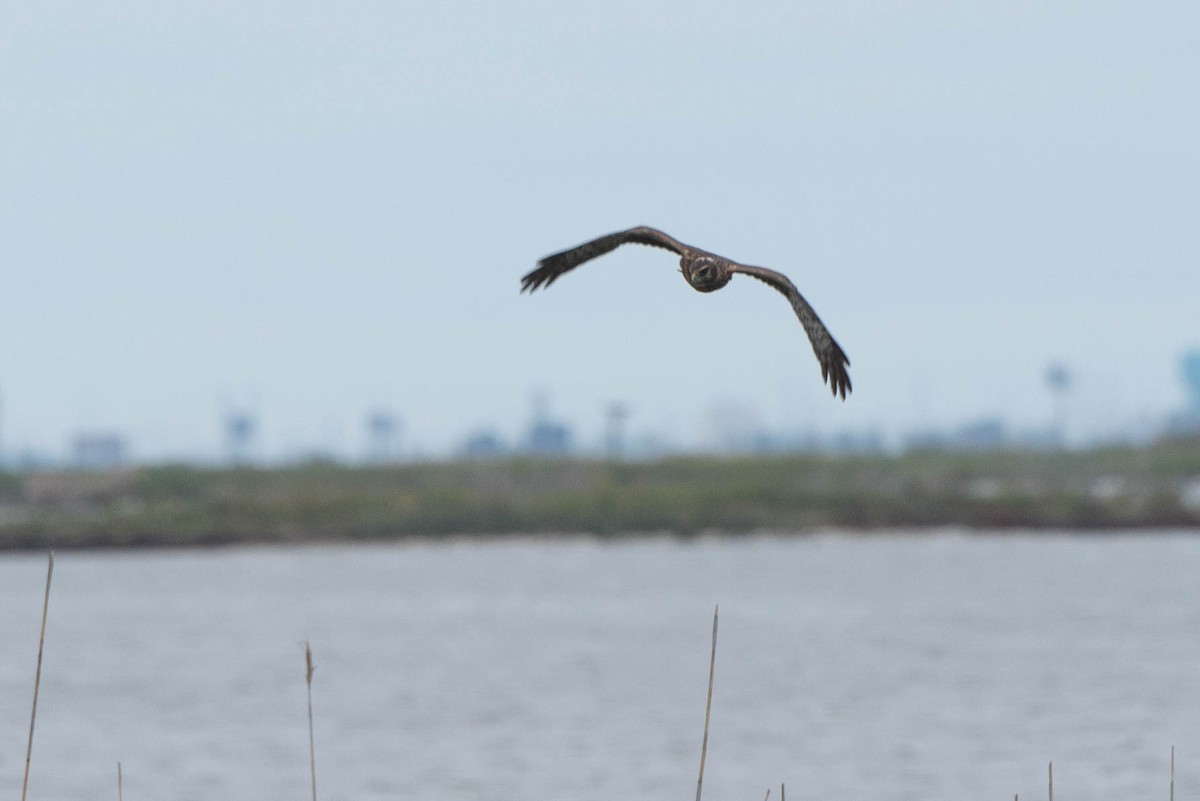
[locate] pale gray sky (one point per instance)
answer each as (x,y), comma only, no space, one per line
(316,209)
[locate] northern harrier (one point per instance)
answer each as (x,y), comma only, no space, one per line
(706,272)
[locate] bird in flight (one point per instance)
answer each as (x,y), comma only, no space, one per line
(705,272)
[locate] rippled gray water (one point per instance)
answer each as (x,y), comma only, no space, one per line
(899,667)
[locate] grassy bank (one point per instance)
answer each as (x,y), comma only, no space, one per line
(1154,486)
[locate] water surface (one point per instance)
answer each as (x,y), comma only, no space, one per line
(884,667)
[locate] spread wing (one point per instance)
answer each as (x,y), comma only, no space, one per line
(551,267)
(829,354)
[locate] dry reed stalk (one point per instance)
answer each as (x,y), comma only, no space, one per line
(712,663)
(1172,773)
(37,676)
(1050,768)
(312,749)
(120,790)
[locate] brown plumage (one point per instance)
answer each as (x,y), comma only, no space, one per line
(705,272)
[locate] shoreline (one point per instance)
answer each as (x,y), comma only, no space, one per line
(1156,487)
(518,540)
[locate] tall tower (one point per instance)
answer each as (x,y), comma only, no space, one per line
(1058,380)
(383,437)
(240,428)
(615,416)
(1189,371)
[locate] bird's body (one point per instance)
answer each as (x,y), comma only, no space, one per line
(705,272)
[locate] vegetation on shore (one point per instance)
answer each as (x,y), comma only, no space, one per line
(1113,487)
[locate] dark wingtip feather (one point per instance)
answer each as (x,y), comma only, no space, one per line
(833,371)
(535,279)
(845,388)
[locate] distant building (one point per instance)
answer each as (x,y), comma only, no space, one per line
(546,437)
(1189,372)
(988,433)
(383,436)
(979,435)
(1187,420)
(240,428)
(926,439)
(483,445)
(860,442)
(98,451)
(845,441)
(29,460)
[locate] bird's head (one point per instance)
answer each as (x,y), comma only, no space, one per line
(705,273)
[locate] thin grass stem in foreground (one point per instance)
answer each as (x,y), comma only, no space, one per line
(712,663)
(37,676)
(312,750)
(120,790)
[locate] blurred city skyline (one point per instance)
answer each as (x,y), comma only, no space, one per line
(309,214)
(382,435)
